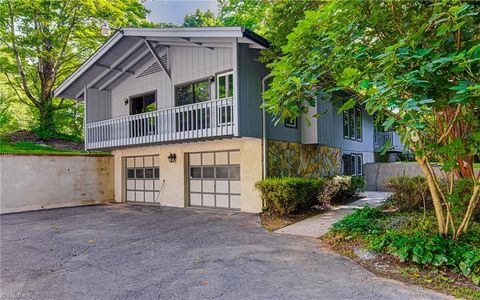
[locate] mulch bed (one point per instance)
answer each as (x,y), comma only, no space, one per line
(272,222)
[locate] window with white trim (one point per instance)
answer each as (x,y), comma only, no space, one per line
(352,123)
(352,164)
(224,85)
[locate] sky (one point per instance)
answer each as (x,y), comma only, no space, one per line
(173,11)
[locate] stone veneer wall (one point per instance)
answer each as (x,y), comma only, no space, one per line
(294,159)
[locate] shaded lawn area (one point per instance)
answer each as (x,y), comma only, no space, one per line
(28,147)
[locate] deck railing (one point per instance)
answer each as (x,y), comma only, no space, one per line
(200,120)
(382,138)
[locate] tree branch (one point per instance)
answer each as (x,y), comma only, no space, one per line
(17,57)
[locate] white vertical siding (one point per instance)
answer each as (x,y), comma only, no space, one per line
(186,64)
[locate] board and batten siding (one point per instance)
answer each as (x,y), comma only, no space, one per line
(250,75)
(98,104)
(186,64)
(330,130)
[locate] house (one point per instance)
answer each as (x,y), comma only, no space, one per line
(180,110)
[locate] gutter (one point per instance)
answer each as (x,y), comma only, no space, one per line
(264,129)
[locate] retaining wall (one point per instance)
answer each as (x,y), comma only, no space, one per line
(31,182)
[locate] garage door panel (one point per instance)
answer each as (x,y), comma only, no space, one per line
(196,186)
(235,187)
(208,159)
(235,201)
(130,184)
(208,186)
(130,196)
(139,185)
(221,186)
(209,200)
(149,197)
(139,196)
(195,199)
(221,158)
(222,201)
(214,179)
(149,185)
(142,181)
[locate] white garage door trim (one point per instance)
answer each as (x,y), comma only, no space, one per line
(142,179)
(214,179)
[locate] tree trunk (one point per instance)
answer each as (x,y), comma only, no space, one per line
(435,193)
(46,116)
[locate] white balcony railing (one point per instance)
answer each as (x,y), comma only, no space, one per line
(200,120)
(382,138)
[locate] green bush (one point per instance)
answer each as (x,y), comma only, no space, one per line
(409,192)
(340,188)
(413,243)
(289,194)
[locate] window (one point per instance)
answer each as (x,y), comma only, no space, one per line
(292,123)
(143,173)
(352,124)
(143,103)
(190,93)
(225,85)
(358,123)
(352,164)
(193,92)
(195,172)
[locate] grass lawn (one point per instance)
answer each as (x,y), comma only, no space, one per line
(7,147)
(404,246)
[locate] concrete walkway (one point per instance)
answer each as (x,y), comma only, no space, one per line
(318,225)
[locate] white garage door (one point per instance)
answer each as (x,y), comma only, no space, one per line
(214,179)
(142,179)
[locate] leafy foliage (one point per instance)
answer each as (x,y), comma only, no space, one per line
(411,243)
(43,41)
(340,188)
(288,194)
(409,192)
(415,64)
(201,19)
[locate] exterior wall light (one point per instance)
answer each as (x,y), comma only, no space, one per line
(172,157)
(105,29)
(125,101)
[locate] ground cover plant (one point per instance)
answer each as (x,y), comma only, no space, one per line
(409,241)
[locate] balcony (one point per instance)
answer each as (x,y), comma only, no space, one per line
(214,118)
(380,139)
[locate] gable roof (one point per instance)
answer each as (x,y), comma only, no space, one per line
(128,49)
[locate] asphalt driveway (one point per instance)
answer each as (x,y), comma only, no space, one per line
(138,252)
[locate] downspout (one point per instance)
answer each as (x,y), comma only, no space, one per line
(264,129)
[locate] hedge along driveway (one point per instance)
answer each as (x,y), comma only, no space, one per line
(138,252)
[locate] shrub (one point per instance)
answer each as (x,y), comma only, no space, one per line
(413,243)
(288,194)
(409,192)
(361,221)
(339,188)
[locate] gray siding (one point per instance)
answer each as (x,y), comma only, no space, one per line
(250,75)
(98,105)
(330,129)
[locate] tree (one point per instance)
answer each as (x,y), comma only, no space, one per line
(199,19)
(43,41)
(273,19)
(416,66)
